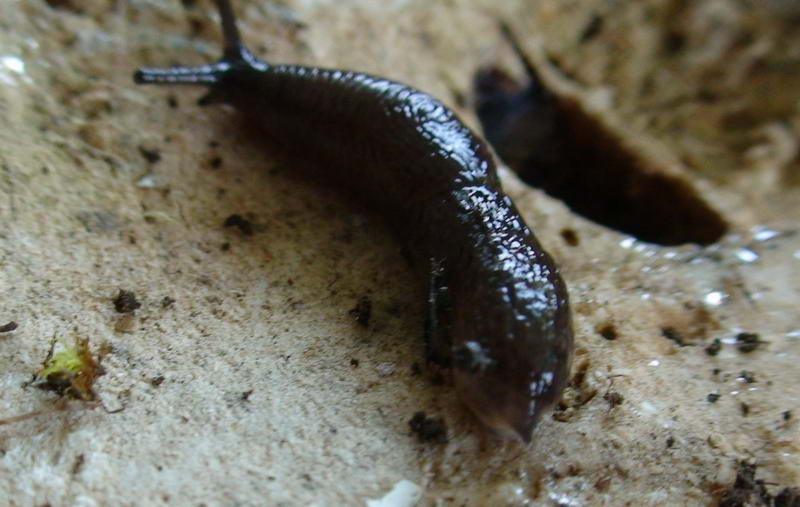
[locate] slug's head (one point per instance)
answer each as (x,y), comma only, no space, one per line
(511,359)
(235,58)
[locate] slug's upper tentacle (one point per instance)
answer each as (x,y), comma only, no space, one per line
(230,31)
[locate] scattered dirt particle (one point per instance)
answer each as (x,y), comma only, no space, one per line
(608,331)
(613,398)
(238,221)
(713,397)
(95,137)
(578,379)
(7,328)
(362,312)
(215,163)
(577,394)
(674,42)
(196,26)
(714,347)
(570,237)
(672,334)
(126,302)
(745,409)
(77,466)
(354,363)
(592,29)
(157,381)
(602,484)
(68,5)
(748,342)
(167,302)
(428,429)
(670,442)
(746,489)
(151,155)
(786,415)
(245,396)
(747,376)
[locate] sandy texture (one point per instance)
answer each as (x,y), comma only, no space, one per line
(244,378)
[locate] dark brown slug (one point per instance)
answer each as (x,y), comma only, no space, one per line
(498,309)
(555,143)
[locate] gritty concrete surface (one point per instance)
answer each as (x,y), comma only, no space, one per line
(244,379)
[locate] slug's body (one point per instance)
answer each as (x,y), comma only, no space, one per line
(498,307)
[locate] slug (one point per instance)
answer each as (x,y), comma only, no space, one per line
(498,311)
(555,143)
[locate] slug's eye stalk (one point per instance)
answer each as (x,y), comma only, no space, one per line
(509,35)
(234,56)
(235,51)
(233,41)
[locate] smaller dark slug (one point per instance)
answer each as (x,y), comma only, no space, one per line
(554,143)
(498,310)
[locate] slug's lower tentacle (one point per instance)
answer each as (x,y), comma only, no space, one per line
(200,75)
(438,342)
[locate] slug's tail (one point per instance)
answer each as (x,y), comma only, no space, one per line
(234,55)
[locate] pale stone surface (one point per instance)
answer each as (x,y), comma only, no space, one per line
(256,385)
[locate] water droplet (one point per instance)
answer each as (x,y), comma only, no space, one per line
(13,63)
(714,298)
(147,181)
(747,255)
(11,69)
(764,234)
